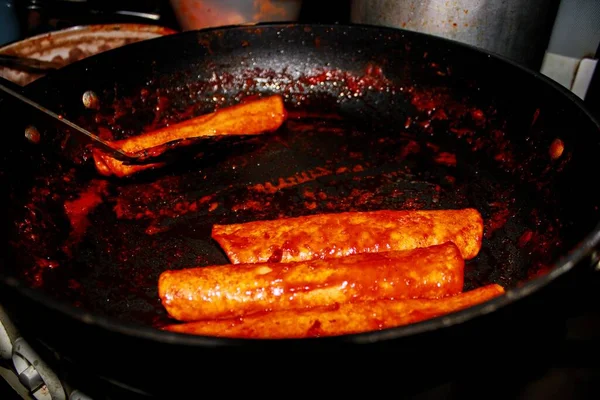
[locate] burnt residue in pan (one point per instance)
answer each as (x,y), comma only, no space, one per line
(102,243)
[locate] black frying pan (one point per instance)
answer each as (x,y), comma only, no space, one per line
(379,118)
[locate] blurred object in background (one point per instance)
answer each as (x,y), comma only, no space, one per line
(70,30)
(65,46)
(517,29)
(571,58)
(41,16)
(559,38)
(9,24)
(197,14)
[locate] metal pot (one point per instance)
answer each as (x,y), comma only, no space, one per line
(517,29)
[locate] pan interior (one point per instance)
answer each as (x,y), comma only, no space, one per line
(378,119)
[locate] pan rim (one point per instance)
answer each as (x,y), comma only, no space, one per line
(134,330)
(570,260)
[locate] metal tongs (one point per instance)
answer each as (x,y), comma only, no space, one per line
(102,145)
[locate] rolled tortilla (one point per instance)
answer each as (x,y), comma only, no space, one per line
(251,118)
(342,234)
(338,319)
(242,289)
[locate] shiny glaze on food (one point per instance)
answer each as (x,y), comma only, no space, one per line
(236,290)
(338,319)
(254,117)
(342,234)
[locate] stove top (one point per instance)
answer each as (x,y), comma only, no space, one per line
(569,369)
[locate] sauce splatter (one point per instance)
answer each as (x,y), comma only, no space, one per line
(77,210)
